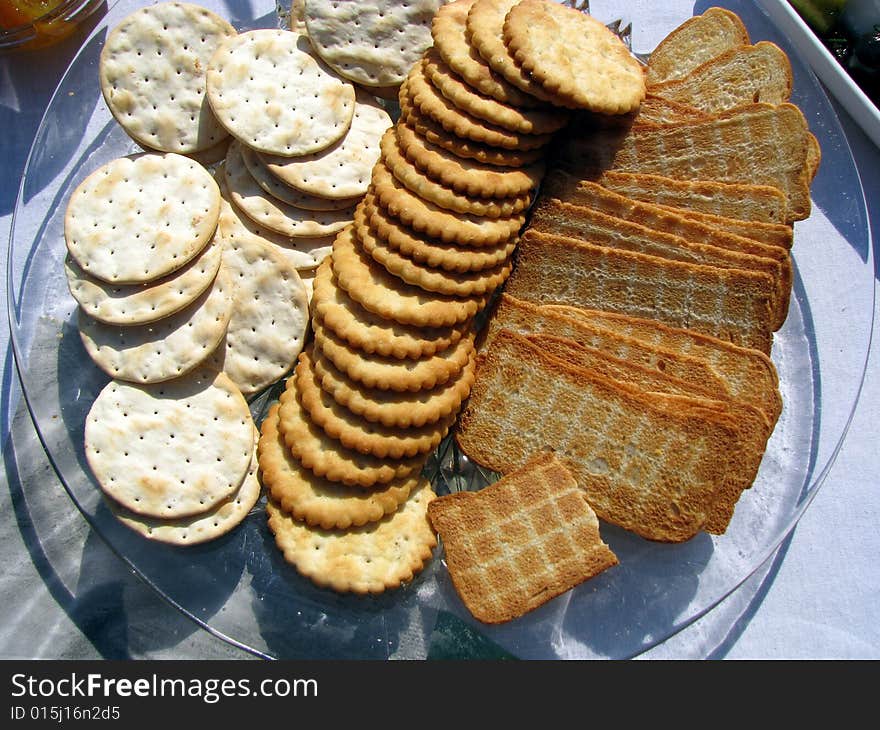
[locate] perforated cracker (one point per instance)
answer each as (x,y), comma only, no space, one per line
(271,93)
(127,304)
(343,169)
(274,214)
(285,193)
(167,348)
(141,217)
(270,316)
(304,252)
(172,449)
(204,526)
(373,44)
(152,75)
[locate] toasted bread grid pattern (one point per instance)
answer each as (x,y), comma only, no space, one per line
(526,428)
(597,284)
(548,532)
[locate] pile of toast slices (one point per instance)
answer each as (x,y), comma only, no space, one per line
(634,333)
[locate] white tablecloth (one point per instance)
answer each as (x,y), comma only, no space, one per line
(66,595)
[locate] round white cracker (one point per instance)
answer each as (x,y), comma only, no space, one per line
(342,170)
(271,93)
(205,526)
(374,44)
(270,315)
(304,252)
(173,449)
(128,304)
(141,217)
(274,214)
(152,75)
(286,193)
(166,349)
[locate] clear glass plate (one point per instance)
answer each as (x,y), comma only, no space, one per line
(239,588)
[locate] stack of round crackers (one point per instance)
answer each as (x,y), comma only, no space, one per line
(392,359)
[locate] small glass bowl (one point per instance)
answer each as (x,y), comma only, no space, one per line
(53,26)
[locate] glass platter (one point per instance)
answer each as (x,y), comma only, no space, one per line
(240,589)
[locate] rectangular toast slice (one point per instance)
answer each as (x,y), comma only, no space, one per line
(754,426)
(749,374)
(740,201)
(648,462)
(527,318)
(759,144)
(730,304)
(604,218)
(515,544)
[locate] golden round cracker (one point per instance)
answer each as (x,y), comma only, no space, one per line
(394,409)
(461,146)
(370,333)
(329,459)
(447,198)
(270,316)
(449,31)
(371,286)
(152,75)
(284,192)
(139,218)
(365,560)
(274,214)
(318,501)
(447,283)
(204,526)
(271,93)
(167,348)
(304,252)
(431,252)
(127,304)
(432,220)
(574,57)
(170,450)
(425,96)
(526,121)
(343,169)
(463,175)
(394,374)
(373,44)
(485,25)
(355,432)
